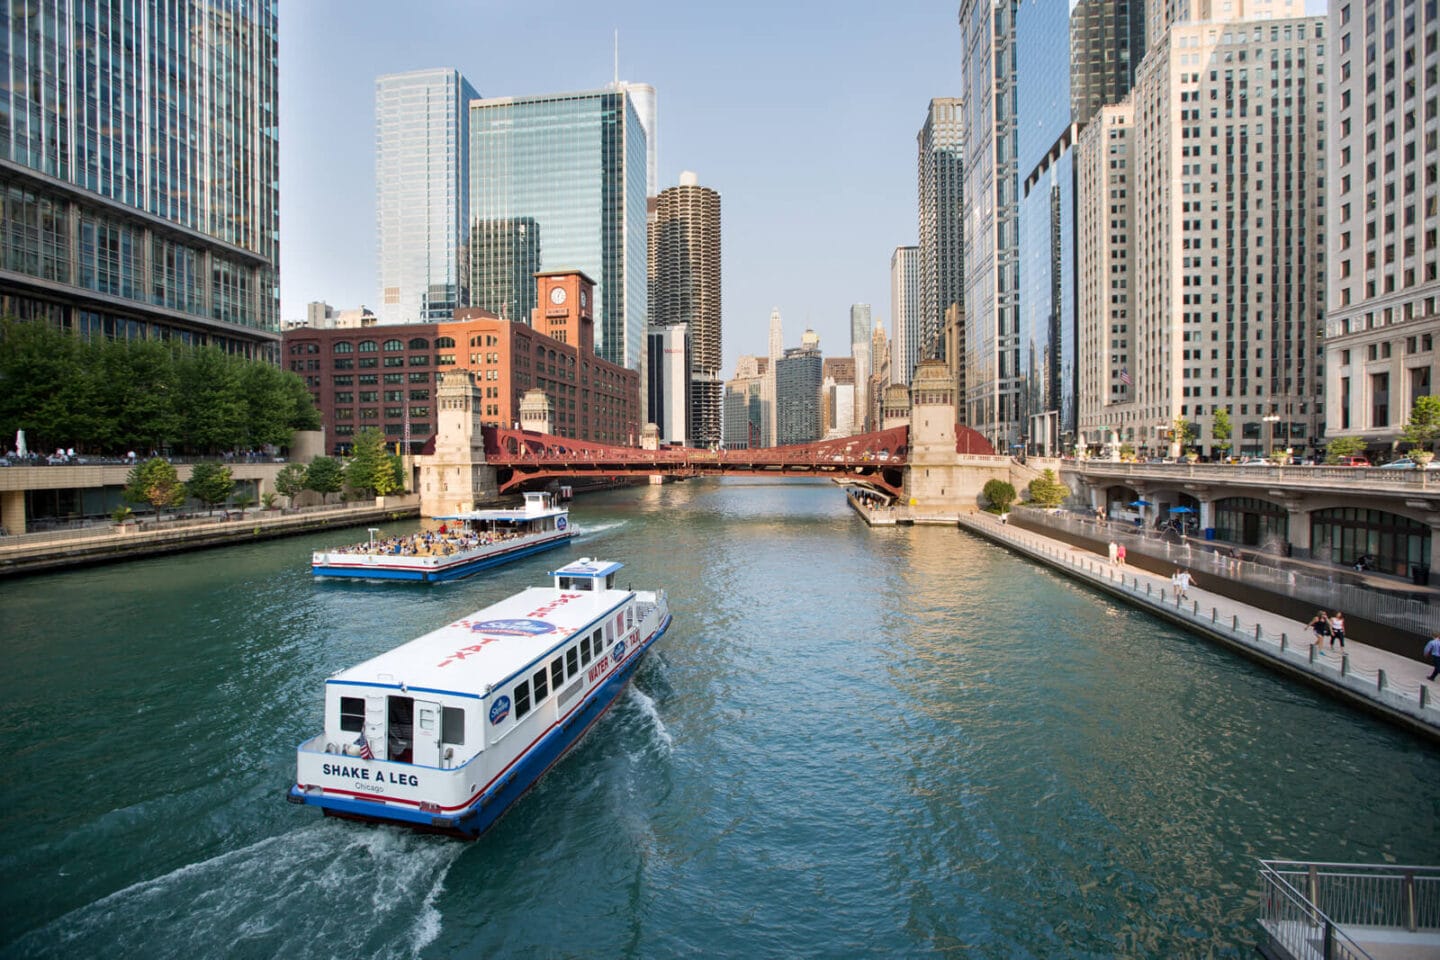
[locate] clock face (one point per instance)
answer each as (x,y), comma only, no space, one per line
(557,295)
(584,300)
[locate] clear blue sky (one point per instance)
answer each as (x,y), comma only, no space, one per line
(801,113)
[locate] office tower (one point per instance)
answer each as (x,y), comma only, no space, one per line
(1107,43)
(797,393)
(746,409)
(1225,269)
(905,309)
(941,181)
(574,165)
(776,351)
(668,377)
(141,174)
(421,213)
(642,98)
(1383,217)
(879,373)
(991,386)
(860,333)
(685,288)
(512,251)
(839,387)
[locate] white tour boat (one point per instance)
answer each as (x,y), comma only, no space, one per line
(445,732)
(471,541)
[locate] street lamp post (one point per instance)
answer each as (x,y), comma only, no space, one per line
(1270,421)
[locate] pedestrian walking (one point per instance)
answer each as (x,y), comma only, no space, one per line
(1321,626)
(1113,551)
(1182,582)
(1120,554)
(1337,629)
(1432,650)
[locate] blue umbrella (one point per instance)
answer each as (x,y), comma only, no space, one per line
(1141,503)
(1182,510)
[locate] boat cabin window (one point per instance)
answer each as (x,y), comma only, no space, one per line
(452,726)
(585,652)
(538,682)
(610,582)
(557,672)
(572,662)
(522,699)
(352,714)
(576,583)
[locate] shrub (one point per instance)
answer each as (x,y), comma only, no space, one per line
(1046,490)
(999,494)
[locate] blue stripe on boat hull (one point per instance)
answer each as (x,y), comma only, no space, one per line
(494,803)
(434,576)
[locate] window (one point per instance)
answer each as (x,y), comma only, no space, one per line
(572,662)
(538,682)
(344,346)
(585,652)
(343,381)
(344,363)
(419,360)
(420,343)
(394,361)
(557,672)
(452,725)
(394,345)
(442,343)
(522,698)
(352,714)
(368,346)
(367,362)
(596,643)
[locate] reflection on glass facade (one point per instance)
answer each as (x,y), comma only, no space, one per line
(574,165)
(421,145)
(145,196)
(941,180)
(1394,543)
(905,313)
(798,377)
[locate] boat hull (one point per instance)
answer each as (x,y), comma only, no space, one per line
(527,770)
(388,568)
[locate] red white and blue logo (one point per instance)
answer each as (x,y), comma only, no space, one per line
(619,652)
(559,523)
(512,628)
(499,710)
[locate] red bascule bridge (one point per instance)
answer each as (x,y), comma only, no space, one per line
(523,459)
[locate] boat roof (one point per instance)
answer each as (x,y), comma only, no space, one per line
(585,567)
(511,513)
(490,646)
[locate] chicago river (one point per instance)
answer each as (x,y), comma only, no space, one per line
(853,742)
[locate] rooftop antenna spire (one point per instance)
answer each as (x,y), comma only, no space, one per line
(617,57)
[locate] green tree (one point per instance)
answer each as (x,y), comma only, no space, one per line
(211,484)
(325,476)
(154,482)
(1221,429)
(1424,426)
(210,395)
(370,470)
(999,494)
(1343,447)
(290,481)
(47,386)
(1184,432)
(1046,490)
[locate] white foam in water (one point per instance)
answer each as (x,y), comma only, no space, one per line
(588,530)
(356,890)
(647,707)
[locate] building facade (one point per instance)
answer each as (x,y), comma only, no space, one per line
(991,400)
(905,312)
(1383,292)
(574,166)
(385,376)
(668,380)
(421,213)
(940,174)
(747,415)
(861,330)
(685,288)
(139,170)
(797,396)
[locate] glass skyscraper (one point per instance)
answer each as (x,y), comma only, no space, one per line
(139,169)
(421,150)
(574,165)
(941,179)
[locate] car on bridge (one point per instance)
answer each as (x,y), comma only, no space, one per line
(1407,463)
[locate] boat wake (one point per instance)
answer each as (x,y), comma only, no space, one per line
(349,890)
(590,530)
(646,703)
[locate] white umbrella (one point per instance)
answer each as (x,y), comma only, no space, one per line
(20,443)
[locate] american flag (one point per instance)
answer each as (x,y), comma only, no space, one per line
(1125,376)
(365,752)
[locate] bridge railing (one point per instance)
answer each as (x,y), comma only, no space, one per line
(1212,558)
(1307,901)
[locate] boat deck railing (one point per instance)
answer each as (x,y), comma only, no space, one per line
(1340,911)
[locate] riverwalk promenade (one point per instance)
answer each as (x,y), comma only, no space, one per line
(46,552)
(1383,682)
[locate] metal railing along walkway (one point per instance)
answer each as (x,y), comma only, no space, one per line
(1348,910)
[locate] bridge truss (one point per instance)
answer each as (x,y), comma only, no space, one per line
(523,459)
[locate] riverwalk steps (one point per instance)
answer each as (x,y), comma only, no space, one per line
(1385,683)
(47,552)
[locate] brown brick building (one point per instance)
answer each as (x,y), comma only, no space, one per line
(381,376)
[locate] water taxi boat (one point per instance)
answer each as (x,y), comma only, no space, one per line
(467,542)
(446,732)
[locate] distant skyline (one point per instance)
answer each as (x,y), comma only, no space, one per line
(802,115)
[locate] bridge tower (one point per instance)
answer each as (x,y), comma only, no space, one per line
(455,477)
(938,480)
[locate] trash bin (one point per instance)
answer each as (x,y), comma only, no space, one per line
(1420,576)
(1209,533)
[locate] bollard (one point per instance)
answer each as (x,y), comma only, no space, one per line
(1424,696)
(1379,680)
(1148,585)
(1257,633)
(1345,665)
(1313,648)
(1214,615)
(1196,611)
(1284,643)
(1235,623)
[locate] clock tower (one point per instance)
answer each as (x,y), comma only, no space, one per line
(566,308)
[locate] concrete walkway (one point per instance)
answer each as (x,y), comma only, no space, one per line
(1382,682)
